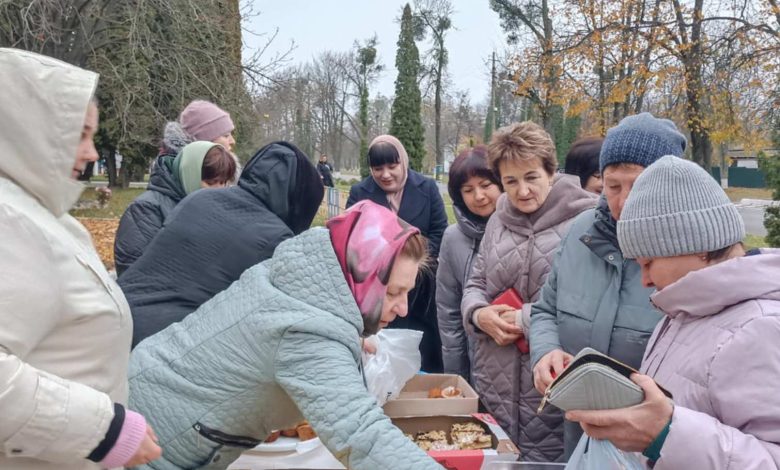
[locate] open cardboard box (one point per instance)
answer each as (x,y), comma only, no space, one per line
(502,450)
(413,399)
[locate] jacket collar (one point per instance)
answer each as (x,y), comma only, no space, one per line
(163,179)
(601,237)
(710,290)
(413,194)
(565,200)
(469,225)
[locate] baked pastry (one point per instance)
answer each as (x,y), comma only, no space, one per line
(451,392)
(470,436)
(273,437)
(305,432)
(431,440)
(435,392)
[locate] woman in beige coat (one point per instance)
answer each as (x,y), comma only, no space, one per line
(66,327)
(521,237)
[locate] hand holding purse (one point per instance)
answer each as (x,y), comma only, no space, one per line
(512,298)
(594,381)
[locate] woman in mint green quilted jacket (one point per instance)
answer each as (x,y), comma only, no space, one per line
(282,344)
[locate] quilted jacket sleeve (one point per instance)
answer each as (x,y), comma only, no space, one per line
(746,432)
(543,337)
(43,416)
(438,219)
(322,378)
(449,291)
(139,224)
(474,293)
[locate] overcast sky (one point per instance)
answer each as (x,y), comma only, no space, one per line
(320,25)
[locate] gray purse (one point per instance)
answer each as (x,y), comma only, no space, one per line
(594,381)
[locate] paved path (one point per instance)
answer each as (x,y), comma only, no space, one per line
(133,184)
(754,219)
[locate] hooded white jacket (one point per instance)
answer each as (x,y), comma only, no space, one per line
(65,326)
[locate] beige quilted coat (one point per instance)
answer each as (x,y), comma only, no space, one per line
(517,251)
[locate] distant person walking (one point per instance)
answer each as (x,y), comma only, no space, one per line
(326,171)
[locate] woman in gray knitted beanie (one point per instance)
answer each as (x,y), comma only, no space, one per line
(716,349)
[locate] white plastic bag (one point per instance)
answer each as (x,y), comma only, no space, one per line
(396,361)
(594,454)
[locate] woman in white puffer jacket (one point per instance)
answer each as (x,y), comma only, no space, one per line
(66,327)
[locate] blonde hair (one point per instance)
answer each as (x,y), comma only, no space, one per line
(522,141)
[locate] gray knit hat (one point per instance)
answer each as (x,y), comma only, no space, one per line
(641,139)
(676,208)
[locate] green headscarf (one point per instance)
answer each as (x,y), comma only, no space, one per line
(188,165)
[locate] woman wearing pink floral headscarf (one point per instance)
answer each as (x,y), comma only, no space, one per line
(415,199)
(282,344)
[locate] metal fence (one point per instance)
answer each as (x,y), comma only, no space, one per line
(333,203)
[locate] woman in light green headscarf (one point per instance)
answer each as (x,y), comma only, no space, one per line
(203,165)
(198,165)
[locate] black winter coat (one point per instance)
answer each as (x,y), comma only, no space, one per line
(144,217)
(422,207)
(213,236)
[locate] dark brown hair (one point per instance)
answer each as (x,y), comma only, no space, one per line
(219,166)
(470,162)
(583,158)
(720,254)
(416,248)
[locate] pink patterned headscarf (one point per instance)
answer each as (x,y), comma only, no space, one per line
(367,238)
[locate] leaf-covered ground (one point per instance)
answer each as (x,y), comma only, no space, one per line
(103,232)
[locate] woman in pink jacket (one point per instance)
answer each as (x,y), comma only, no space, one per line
(716,350)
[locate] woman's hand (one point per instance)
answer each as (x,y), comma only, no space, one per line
(554,362)
(491,322)
(631,429)
(368,345)
(148,451)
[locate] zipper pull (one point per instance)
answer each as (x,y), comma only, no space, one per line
(197,442)
(544,401)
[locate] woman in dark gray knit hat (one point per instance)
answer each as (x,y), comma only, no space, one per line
(716,349)
(593,296)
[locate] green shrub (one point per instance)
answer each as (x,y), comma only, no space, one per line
(772,224)
(771,168)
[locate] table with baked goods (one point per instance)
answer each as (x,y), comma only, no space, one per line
(438,412)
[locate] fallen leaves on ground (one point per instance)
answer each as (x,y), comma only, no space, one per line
(103,232)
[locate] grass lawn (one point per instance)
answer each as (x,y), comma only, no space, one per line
(120,199)
(755,241)
(737,194)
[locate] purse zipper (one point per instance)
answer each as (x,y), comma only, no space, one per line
(545,397)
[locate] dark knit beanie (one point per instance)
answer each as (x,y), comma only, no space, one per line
(641,139)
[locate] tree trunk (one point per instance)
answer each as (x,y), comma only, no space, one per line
(109,154)
(694,92)
(437,117)
(550,71)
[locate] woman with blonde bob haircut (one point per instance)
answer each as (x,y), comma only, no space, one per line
(516,252)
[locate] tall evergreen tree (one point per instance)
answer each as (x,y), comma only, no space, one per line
(406,120)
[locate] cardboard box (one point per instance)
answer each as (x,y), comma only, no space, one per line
(413,399)
(503,448)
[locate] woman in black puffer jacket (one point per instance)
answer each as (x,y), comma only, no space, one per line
(213,236)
